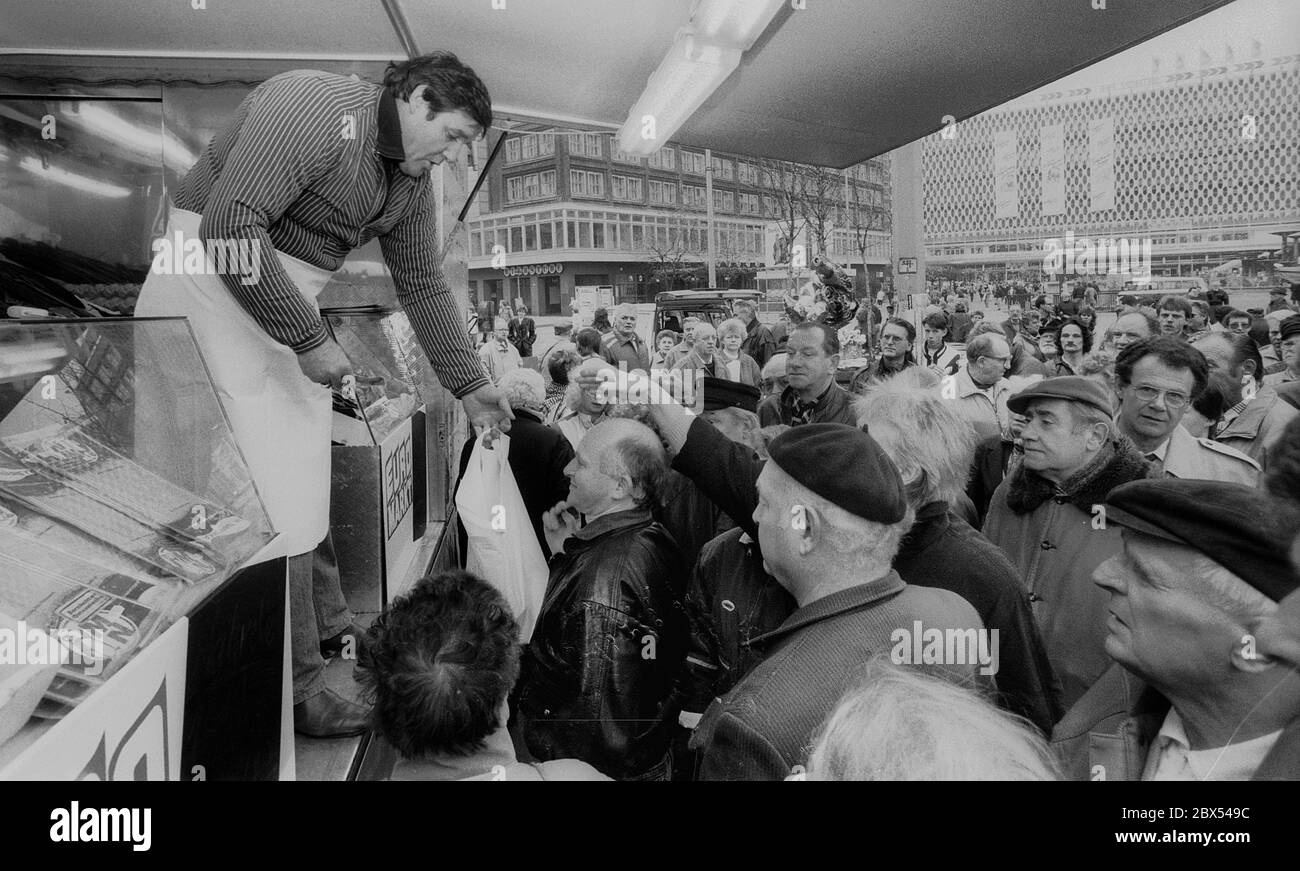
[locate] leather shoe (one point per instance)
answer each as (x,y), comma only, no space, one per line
(333,646)
(329,715)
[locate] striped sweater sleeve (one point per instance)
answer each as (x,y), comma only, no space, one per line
(410,250)
(289,139)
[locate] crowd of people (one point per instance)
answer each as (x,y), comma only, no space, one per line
(739,588)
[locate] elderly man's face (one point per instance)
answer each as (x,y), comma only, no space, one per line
(1240,326)
(624,322)
(1158,628)
(777,537)
(1052,446)
(1128,329)
(591,490)
(808,364)
(1287,351)
(987,369)
(706,339)
(1155,400)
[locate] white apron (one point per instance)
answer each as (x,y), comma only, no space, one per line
(280,417)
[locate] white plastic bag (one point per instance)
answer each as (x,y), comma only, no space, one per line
(502,546)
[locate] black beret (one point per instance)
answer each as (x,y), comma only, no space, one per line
(724,393)
(843,465)
(1075,388)
(1289,327)
(1241,528)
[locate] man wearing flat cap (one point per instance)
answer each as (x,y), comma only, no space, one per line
(1192,696)
(1046,517)
(828,534)
(1289,346)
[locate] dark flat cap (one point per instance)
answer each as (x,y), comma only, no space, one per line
(1289,327)
(843,465)
(1075,388)
(1241,528)
(724,393)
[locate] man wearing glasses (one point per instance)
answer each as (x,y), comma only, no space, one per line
(1158,379)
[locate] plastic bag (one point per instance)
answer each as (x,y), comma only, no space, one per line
(502,546)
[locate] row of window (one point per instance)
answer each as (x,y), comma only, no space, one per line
(585,183)
(614,231)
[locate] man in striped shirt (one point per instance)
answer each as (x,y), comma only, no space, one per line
(311,166)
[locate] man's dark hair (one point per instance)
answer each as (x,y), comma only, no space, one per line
(1169,350)
(1176,304)
(439,663)
(1087,335)
(830,338)
(1283,476)
(560,363)
(588,341)
(936,321)
(451,85)
(1258,332)
(1235,313)
(906,325)
(1242,348)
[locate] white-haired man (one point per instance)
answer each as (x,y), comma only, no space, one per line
(704,353)
(498,355)
(622,346)
(1047,517)
(537,453)
(686,345)
(1192,696)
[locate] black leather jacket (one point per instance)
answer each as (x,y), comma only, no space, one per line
(597,677)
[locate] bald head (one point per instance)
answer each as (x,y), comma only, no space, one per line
(620,465)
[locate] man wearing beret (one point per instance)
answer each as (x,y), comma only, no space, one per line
(1158,379)
(1046,517)
(828,534)
(1191,698)
(812,396)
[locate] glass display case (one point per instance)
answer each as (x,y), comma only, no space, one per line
(123,496)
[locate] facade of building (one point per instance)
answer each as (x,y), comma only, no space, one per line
(1202,166)
(563,209)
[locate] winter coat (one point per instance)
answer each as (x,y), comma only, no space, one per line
(1055,538)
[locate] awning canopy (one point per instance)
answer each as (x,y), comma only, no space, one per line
(832,83)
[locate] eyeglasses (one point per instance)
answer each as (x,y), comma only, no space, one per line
(1148,394)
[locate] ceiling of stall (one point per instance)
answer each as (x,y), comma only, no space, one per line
(833,83)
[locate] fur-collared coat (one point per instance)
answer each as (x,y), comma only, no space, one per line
(1056,537)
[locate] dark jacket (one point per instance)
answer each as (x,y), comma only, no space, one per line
(690,517)
(538,455)
(765,725)
(833,406)
(1056,538)
(939,551)
(987,471)
(523,335)
(1108,733)
(731,600)
(596,680)
(631,351)
(759,343)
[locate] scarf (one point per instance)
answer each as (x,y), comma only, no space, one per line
(1118,463)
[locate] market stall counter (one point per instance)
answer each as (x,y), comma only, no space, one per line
(142,596)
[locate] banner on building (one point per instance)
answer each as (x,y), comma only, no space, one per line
(1101,164)
(1006,187)
(1051,151)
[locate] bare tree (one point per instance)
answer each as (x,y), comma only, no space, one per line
(822,193)
(676,251)
(865,218)
(784,187)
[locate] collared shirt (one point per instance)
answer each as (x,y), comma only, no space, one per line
(1231,414)
(309,166)
(1158,455)
(1171,756)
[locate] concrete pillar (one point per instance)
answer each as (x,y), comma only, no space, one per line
(909,218)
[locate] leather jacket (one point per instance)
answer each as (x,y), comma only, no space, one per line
(597,678)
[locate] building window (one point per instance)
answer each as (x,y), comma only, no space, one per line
(529,147)
(746,173)
(663,159)
(723,169)
(621,156)
(663,193)
(693,196)
(748,203)
(692,163)
(586,184)
(534,186)
(724,201)
(624,187)
(585,143)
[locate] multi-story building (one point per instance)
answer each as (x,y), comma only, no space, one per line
(563,209)
(1204,164)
